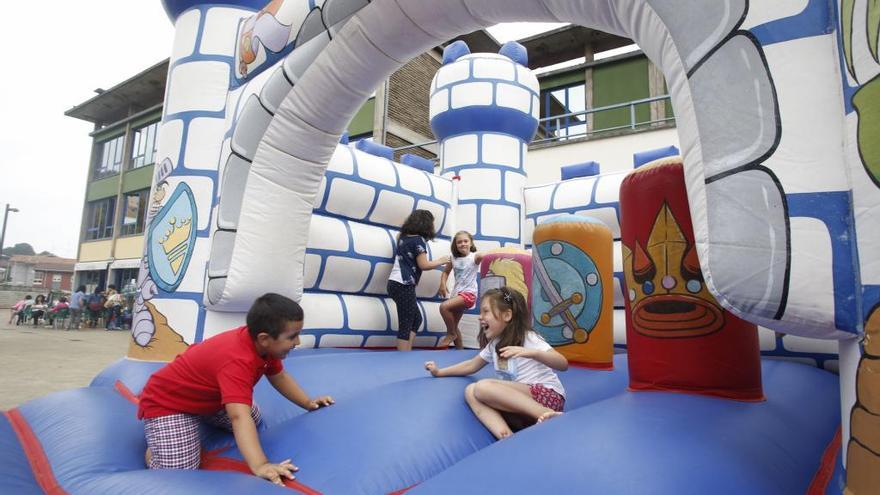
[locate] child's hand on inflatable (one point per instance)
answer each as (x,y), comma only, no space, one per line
(444,292)
(319,402)
(276,472)
(432,367)
(513,351)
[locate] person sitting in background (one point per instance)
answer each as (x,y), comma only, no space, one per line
(17,310)
(112,308)
(126,318)
(57,308)
(95,306)
(38,309)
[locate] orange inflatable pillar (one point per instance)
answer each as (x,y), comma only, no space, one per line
(677,335)
(572,288)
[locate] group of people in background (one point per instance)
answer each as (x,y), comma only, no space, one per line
(36,308)
(81,308)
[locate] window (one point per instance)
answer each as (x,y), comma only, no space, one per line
(92,279)
(134,206)
(56,281)
(557,102)
(123,277)
(109,157)
(38,277)
(100,219)
(143,152)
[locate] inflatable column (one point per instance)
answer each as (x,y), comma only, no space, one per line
(572,274)
(679,338)
(484,111)
(168,310)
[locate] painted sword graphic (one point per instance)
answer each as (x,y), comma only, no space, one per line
(560,306)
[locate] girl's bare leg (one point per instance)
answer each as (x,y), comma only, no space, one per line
(547,415)
(406,345)
(510,397)
(451,311)
(491,419)
(459,343)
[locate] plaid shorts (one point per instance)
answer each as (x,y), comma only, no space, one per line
(547,397)
(174,440)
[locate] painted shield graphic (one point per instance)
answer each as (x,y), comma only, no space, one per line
(172,239)
(570,292)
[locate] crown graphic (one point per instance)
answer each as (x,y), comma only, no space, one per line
(176,242)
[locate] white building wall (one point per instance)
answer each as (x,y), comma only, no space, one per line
(614,154)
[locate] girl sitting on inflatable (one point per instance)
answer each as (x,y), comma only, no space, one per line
(527,387)
(466,263)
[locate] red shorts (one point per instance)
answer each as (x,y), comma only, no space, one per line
(547,397)
(469,298)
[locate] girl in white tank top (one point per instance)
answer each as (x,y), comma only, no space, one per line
(466,264)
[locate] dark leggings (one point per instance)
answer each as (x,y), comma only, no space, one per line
(409,318)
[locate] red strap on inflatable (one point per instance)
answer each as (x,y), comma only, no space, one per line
(126,392)
(212,462)
(401,492)
(826,467)
(34,452)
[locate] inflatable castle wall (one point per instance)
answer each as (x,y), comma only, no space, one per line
(255,192)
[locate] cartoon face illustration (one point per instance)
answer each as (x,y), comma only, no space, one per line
(665,286)
(571,292)
(504,271)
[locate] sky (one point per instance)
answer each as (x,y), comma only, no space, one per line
(61,54)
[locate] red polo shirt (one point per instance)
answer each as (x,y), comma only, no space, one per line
(220,370)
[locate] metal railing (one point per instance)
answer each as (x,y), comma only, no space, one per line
(556,131)
(559,132)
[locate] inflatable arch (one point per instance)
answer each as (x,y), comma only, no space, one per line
(256,193)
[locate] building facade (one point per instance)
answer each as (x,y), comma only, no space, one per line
(119,174)
(42,274)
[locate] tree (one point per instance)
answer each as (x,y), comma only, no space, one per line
(20,248)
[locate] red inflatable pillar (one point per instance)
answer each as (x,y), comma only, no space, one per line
(678,336)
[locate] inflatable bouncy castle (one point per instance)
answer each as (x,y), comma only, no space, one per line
(741,294)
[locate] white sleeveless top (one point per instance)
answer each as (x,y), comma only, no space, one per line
(466,272)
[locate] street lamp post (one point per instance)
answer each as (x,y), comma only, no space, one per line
(5,221)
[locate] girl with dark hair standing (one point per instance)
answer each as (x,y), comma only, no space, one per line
(410,258)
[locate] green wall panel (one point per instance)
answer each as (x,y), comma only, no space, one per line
(620,82)
(362,122)
(103,188)
(566,79)
(137,179)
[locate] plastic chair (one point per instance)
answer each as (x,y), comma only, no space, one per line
(60,316)
(24,316)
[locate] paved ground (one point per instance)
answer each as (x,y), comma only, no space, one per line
(38,361)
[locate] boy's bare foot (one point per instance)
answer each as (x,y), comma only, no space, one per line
(445,341)
(547,415)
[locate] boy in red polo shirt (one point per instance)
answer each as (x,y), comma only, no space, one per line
(213,381)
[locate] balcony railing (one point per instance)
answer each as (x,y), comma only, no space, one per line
(559,127)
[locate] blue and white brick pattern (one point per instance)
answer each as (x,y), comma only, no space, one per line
(484,111)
